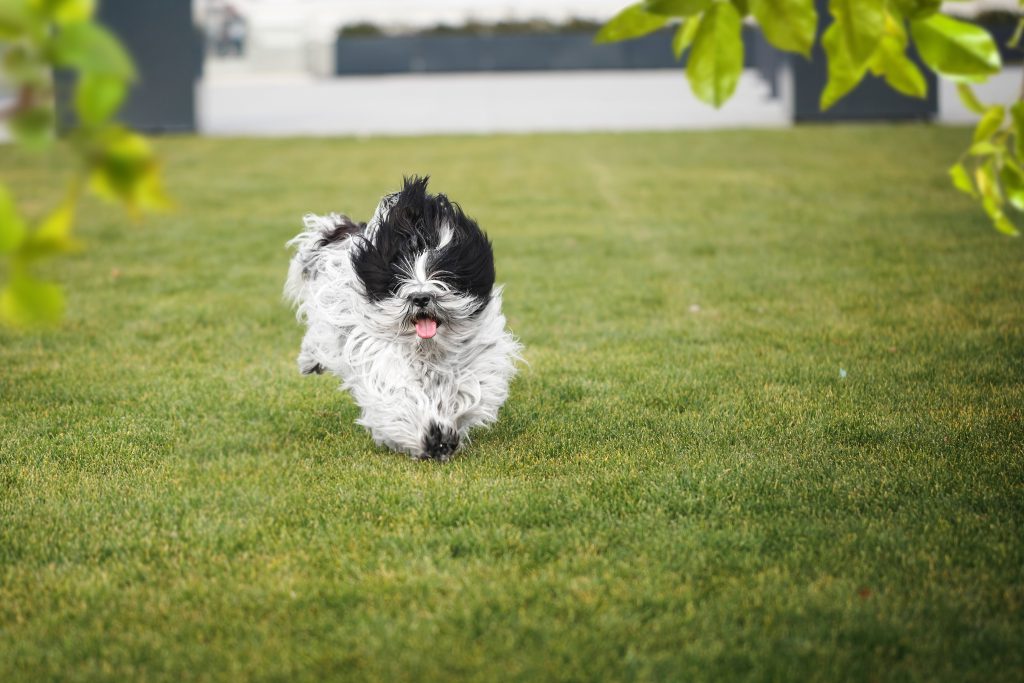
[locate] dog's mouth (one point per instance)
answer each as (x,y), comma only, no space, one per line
(426,327)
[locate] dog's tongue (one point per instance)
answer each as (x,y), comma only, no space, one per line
(426,328)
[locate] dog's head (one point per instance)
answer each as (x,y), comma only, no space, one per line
(424,265)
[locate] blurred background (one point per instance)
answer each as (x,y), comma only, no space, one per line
(402,67)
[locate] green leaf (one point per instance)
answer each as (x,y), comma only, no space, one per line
(990,123)
(92,49)
(903,75)
(916,9)
(33,127)
(1013,186)
(98,97)
(676,8)
(787,24)
(124,156)
(12,227)
(850,40)
(69,11)
(861,24)
(742,6)
(956,49)
(716,58)
(999,219)
(1010,161)
(985,178)
(962,180)
(126,171)
(54,234)
(992,198)
(969,99)
(28,302)
(150,194)
(631,22)
(15,19)
(1014,41)
(684,35)
(983,148)
(65,11)
(843,73)
(890,60)
(1017,114)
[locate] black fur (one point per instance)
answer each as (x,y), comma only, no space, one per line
(413,225)
(315,369)
(344,227)
(439,443)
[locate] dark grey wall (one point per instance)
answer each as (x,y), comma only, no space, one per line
(872,99)
(537,52)
(168,52)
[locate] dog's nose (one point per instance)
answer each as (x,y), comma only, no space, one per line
(420,300)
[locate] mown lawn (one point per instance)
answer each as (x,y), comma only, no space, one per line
(682,485)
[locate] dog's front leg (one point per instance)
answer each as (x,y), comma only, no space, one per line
(406,420)
(457,405)
(440,440)
(441,434)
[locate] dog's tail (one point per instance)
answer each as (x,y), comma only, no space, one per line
(323,234)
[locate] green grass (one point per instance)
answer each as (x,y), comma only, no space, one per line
(672,492)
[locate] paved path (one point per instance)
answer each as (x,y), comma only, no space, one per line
(239,104)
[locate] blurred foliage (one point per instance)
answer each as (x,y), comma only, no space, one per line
(37,37)
(864,36)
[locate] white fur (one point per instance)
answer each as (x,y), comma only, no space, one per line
(458,379)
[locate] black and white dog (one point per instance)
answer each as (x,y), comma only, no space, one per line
(405,311)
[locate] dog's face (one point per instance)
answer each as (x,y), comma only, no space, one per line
(426,268)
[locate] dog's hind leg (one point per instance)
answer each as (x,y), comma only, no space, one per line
(319,346)
(309,363)
(308,366)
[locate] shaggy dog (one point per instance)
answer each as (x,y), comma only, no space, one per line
(405,311)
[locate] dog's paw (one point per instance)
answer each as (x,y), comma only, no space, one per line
(312,368)
(439,443)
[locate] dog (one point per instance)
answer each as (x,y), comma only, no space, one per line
(404,309)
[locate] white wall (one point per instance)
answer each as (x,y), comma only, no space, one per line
(298,35)
(1003,88)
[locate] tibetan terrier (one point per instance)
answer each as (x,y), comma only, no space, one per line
(405,311)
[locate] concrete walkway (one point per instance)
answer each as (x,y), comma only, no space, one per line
(415,104)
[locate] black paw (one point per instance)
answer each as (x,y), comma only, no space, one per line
(314,369)
(439,443)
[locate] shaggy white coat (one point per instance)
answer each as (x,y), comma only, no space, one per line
(458,379)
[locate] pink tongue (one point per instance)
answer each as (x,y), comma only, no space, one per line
(426,328)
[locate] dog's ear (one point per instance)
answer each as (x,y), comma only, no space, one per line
(413,215)
(373,268)
(343,227)
(468,259)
